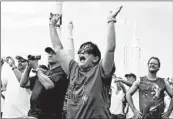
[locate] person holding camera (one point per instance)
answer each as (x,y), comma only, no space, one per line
(48,87)
(16,102)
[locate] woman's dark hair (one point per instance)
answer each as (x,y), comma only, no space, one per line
(90,48)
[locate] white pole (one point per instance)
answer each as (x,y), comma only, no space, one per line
(136,50)
(59,6)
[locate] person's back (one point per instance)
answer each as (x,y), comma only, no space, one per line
(88,95)
(151,96)
(16,103)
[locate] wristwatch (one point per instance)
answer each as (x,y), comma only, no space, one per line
(14,68)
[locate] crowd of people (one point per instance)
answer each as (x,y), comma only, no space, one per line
(87,89)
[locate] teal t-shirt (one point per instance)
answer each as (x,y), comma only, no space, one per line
(88,93)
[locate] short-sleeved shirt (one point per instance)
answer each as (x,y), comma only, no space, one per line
(48,102)
(17,99)
(88,93)
(151,95)
(117,98)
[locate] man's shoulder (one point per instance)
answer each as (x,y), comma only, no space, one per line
(142,77)
(58,70)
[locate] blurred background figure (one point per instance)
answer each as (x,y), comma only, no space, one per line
(16,103)
(130,79)
(117,107)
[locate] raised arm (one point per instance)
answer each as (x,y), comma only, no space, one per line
(25,82)
(129,94)
(62,57)
(53,32)
(170,93)
(108,59)
(11,63)
(128,83)
(70,46)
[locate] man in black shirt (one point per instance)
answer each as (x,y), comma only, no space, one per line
(48,88)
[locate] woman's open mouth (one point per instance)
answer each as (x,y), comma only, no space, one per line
(82,58)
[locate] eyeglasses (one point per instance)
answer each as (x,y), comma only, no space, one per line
(153,64)
(86,49)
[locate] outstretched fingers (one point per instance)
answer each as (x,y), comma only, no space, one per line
(54,16)
(116,13)
(50,17)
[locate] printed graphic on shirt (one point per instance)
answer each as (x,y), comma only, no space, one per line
(155,91)
(75,92)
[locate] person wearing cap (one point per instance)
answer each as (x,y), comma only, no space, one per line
(16,103)
(118,105)
(90,78)
(151,94)
(130,79)
(48,86)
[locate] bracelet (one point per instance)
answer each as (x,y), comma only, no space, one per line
(114,21)
(14,68)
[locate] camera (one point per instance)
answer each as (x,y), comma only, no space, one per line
(41,66)
(32,57)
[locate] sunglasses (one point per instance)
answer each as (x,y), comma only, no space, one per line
(86,49)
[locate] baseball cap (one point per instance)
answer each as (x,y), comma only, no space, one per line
(21,58)
(49,49)
(126,75)
(130,74)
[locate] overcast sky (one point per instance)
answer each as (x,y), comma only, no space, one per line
(24,29)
